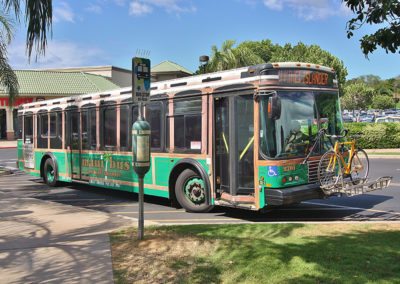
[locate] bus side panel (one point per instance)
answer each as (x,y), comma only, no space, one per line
(20,154)
(63,167)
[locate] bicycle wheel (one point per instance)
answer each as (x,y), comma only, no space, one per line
(359,167)
(330,169)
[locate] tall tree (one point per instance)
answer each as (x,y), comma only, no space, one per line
(385,14)
(37,15)
(357,96)
(253,52)
(311,54)
(383,102)
(229,57)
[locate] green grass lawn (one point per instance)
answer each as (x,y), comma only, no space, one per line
(259,253)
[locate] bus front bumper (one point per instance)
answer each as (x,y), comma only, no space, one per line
(286,196)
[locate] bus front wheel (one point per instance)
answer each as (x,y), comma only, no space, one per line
(50,173)
(190,191)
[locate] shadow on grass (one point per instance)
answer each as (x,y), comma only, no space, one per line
(270,254)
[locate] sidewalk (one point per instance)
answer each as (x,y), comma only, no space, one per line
(5,144)
(384,153)
(42,241)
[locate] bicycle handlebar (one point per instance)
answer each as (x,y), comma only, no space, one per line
(334,136)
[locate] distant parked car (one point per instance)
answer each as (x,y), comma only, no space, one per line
(387,119)
(367,118)
(348,118)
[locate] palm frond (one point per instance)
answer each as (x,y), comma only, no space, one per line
(6,29)
(38,16)
(8,79)
(12,5)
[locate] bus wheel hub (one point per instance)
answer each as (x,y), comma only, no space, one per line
(194,190)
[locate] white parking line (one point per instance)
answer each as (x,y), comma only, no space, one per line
(353,208)
(76,200)
(111,205)
(150,212)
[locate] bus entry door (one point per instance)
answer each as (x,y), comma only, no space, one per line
(234,144)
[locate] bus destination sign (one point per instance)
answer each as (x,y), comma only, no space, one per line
(305,78)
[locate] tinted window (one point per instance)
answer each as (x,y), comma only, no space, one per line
(93,128)
(109,128)
(85,127)
(124,126)
(187,124)
(53,124)
(42,129)
(28,129)
(153,116)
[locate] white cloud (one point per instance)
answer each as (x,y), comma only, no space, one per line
(141,7)
(307,9)
(96,9)
(63,12)
(274,4)
(120,2)
(138,9)
(58,54)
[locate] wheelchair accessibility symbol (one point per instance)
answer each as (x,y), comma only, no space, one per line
(272,171)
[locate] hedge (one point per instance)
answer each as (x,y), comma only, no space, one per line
(375,135)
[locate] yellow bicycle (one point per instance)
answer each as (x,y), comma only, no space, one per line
(343,160)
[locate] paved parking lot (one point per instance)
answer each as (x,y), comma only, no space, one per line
(376,206)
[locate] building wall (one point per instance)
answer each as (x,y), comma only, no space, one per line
(121,78)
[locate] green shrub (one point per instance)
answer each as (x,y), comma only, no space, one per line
(376,135)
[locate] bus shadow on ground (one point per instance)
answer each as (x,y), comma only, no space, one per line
(314,210)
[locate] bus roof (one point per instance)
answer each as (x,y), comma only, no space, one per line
(216,79)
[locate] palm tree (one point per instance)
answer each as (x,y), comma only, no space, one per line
(229,57)
(38,17)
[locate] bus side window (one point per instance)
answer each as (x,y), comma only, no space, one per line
(124,122)
(42,129)
(153,116)
(85,131)
(92,128)
(28,129)
(109,123)
(187,124)
(56,129)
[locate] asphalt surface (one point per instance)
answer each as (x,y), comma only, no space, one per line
(381,205)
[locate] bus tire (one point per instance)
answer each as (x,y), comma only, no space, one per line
(50,173)
(190,192)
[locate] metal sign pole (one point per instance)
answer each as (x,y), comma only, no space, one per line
(141,130)
(141,191)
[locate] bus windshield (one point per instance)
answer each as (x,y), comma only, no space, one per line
(302,114)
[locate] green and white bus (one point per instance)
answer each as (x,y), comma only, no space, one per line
(233,138)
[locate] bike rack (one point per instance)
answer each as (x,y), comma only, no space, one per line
(348,188)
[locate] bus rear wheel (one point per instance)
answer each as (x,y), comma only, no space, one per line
(190,191)
(50,173)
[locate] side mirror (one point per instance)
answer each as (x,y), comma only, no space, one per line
(274,107)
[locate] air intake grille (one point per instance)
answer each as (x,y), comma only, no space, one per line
(313,171)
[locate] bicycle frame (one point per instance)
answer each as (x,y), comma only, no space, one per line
(336,149)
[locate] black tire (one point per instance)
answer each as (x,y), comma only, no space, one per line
(330,170)
(50,173)
(190,192)
(359,167)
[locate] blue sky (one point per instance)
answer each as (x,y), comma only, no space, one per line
(111,32)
